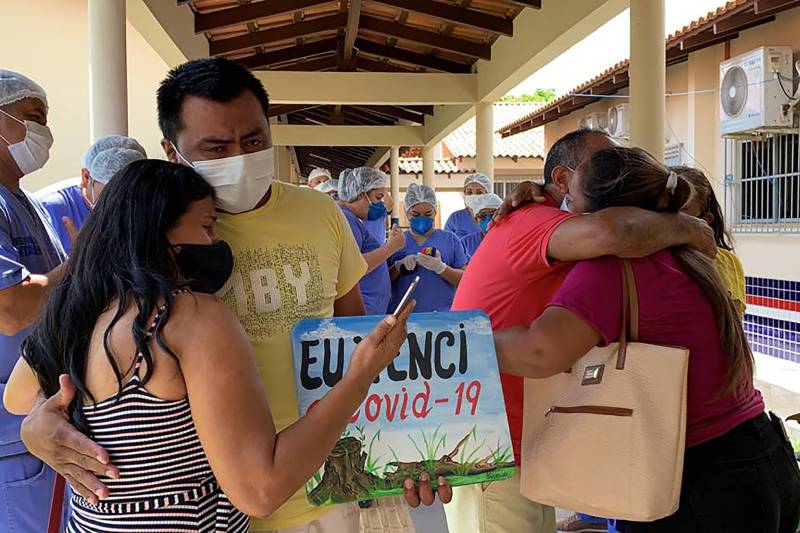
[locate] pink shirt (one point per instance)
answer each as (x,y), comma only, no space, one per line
(672,311)
(511,280)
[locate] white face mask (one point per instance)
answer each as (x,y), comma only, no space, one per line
(241,181)
(472,200)
(32,152)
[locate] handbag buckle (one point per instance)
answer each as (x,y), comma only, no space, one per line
(592,375)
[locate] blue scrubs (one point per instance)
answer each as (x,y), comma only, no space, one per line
(471,242)
(461,223)
(434,293)
(377,228)
(66,202)
(376,287)
(28,245)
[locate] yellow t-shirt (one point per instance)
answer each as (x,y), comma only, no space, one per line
(732,273)
(292,258)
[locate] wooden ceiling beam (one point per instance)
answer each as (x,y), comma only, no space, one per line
(406,56)
(342,162)
(767,6)
(396,112)
(702,41)
(343,150)
(249,12)
(535,4)
(305,117)
(313,65)
(295,118)
(458,15)
(276,110)
(424,109)
(321,113)
(282,55)
(279,33)
(437,40)
(351,29)
(373,118)
(371,65)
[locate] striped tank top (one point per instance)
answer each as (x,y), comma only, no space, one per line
(165,483)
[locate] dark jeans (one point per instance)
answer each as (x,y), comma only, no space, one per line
(745,481)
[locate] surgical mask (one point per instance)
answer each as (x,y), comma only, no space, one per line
(377,210)
(421,225)
(240,181)
(206,267)
(565,205)
(484,222)
(472,200)
(32,152)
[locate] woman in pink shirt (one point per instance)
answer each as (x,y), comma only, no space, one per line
(739,473)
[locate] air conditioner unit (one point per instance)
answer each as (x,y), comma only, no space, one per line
(619,125)
(595,121)
(754,91)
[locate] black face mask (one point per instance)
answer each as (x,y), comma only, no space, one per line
(206,267)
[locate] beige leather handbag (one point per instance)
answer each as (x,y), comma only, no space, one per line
(608,437)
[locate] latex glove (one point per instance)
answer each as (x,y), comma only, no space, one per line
(409,262)
(396,240)
(432,263)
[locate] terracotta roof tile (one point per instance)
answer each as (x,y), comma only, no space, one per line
(700,25)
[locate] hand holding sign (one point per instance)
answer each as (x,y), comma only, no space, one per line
(379,348)
(432,418)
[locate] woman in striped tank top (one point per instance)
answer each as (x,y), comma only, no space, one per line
(165,374)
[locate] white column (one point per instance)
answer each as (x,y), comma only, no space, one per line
(394,164)
(647,76)
(108,78)
(484,138)
(428,176)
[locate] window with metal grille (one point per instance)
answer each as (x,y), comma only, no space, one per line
(762,183)
(503,188)
(673,154)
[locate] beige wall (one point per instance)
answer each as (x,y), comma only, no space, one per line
(694,121)
(48,41)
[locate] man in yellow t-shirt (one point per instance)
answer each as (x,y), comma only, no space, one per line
(294,254)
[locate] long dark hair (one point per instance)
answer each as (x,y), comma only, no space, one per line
(121,253)
(632,177)
(703,194)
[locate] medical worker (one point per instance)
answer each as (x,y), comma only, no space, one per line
(436,256)
(377,227)
(484,208)
(462,222)
(104,158)
(318,175)
(30,259)
(329,187)
(361,196)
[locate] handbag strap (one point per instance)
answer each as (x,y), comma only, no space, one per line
(630,313)
(56,505)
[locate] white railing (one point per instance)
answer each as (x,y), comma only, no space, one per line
(762,184)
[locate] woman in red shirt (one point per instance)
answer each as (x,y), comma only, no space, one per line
(739,470)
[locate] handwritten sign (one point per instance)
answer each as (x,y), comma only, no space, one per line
(437,408)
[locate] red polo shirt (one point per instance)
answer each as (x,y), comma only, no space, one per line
(511,280)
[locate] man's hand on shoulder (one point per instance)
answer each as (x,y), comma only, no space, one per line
(48,434)
(524,193)
(702,235)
